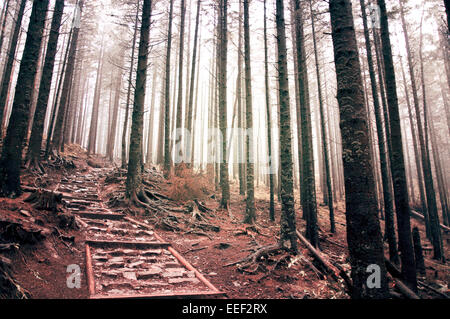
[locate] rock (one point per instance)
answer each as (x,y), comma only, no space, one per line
(172,265)
(110,273)
(25,213)
(183,280)
(151,273)
(116,260)
(129,275)
(135,264)
(100,257)
(150,252)
(212,274)
(171,274)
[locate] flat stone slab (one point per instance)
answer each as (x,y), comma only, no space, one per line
(129,275)
(183,280)
(151,273)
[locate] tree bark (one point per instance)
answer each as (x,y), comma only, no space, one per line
(57,135)
(167,96)
(37,131)
(388,207)
(363,229)
(329,189)
(436,237)
(250,214)
(11,158)
(222,83)
(130,78)
(7,71)
(134,175)
(397,162)
(269,119)
(308,182)
(288,222)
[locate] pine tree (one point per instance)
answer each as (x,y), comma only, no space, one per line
(363,229)
(167,96)
(288,222)
(329,189)
(130,77)
(397,162)
(269,120)
(250,214)
(11,158)
(35,143)
(388,207)
(134,188)
(222,88)
(308,187)
(7,71)
(57,139)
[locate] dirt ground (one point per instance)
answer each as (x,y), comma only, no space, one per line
(41,268)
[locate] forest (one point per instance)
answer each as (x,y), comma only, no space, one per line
(224,149)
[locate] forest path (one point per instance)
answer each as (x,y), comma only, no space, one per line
(126,258)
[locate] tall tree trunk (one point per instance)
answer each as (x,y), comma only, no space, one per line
(329,189)
(437,227)
(242,185)
(363,229)
(222,83)
(92,144)
(7,71)
(269,120)
(11,158)
(179,157)
(3,22)
(388,207)
(37,131)
(130,78)
(288,223)
(308,181)
(57,95)
(397,162)
(426,165)
(134,175)
(151,119)
(417,155)
(167,96)
(190,144)
(57,135)
(447,12)
(250,214)
(113,129)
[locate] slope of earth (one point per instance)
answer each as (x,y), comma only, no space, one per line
(185,212)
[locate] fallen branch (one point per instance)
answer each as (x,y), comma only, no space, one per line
(318,255)
(252,258)
(404,289)
(433,289)
(394,274)
(420,216)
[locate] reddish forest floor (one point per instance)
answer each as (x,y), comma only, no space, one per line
(46,247)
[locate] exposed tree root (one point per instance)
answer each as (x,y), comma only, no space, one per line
(45,200)
(254,257)
(9,288)
(34,164)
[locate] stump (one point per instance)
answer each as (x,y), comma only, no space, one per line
(45,200)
